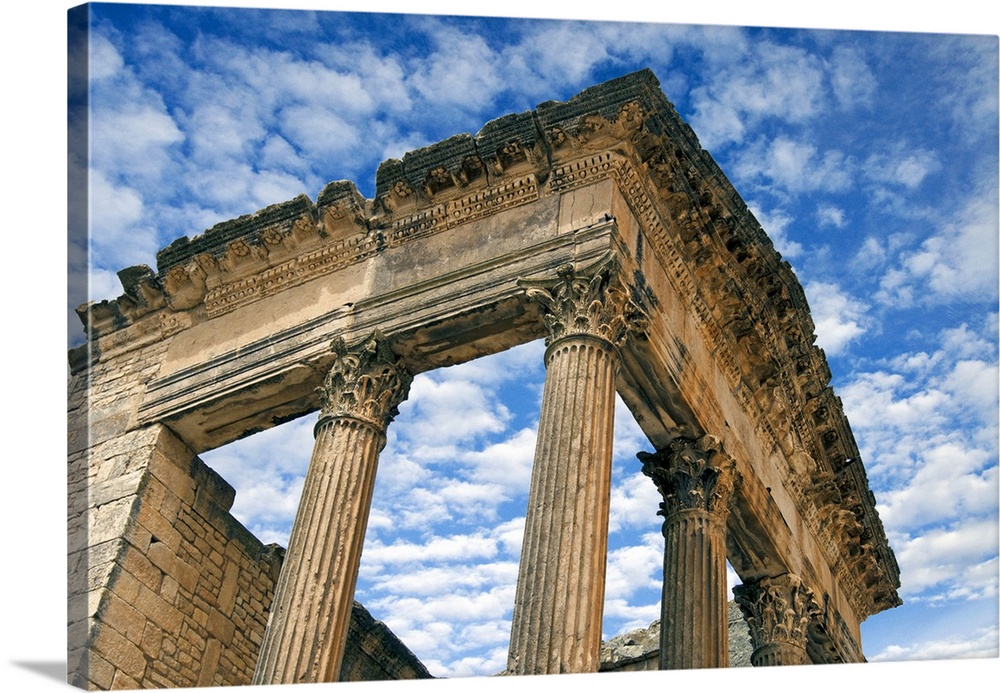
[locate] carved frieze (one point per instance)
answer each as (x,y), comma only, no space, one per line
(495,199)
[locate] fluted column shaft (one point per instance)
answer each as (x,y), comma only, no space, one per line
(694,618)
(560,596)
(560,589)
(778,611)
(696,481)
(311,610)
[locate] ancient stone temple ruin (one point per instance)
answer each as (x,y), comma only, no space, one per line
(598,223)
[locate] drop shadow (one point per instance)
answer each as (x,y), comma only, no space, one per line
(52,669)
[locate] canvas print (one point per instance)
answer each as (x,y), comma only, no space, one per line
(411,346)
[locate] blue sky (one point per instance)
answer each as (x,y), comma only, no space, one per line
(869,157)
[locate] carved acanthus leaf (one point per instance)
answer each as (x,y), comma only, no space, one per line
(691,474)
(586,301)
(365,382)
(777,609)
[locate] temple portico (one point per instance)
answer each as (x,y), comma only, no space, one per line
(599,224)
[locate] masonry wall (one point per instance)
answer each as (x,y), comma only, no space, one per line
(177,590)
(374,653)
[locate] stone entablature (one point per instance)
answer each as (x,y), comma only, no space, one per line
(727,348)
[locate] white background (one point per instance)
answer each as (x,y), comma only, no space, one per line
(33,396)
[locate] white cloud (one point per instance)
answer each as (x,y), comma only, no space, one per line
(443,410)
(870,255)
(984,642)
(941,559)
(117,211)
(101,284)
(382,76)
(794,166)
(963,343)
(839,319)
(507,463)
(447,579)
(961,262)
(969,99)
(958,261)
(277,152)
(104,60)
(463,72)
(635,567)
(634,502)
(429,624)
(831,215)
(320,130)
(927,428)
(949,470)
(268,186)
(558,52)
(509,535)
(777,82)
(883,400)
(456,547)
(131,131)
(902,166)
(775,224)
(133,139)
(219,131)
(854,84)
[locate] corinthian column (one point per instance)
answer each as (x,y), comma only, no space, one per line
(311,610)
(696,479)
(560,586)
(778,611)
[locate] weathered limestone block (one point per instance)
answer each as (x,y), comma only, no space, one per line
(153,584)
(373,653)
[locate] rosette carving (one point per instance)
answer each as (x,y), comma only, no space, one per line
(366,382)
(588,300)
(691,474)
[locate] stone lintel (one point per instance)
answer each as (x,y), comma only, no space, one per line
(441,320)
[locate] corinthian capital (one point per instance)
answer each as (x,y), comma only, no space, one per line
(691,474)
(588,300)
(365,382)
(777,610)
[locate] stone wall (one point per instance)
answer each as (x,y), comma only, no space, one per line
(374,653)
(178,592)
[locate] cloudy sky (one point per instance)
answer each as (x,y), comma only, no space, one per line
(870,158)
